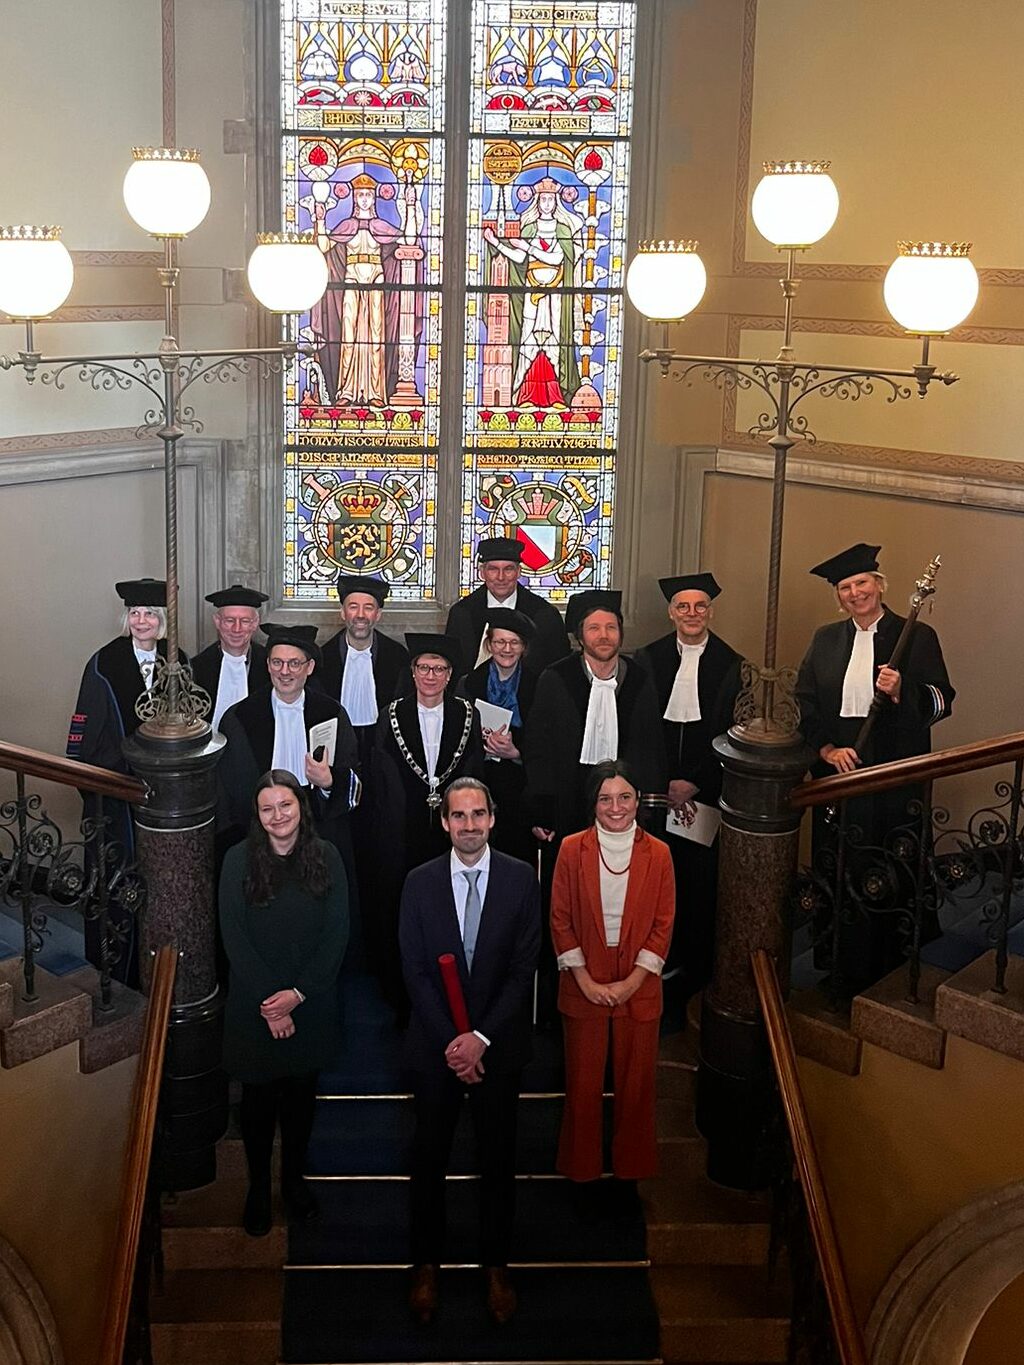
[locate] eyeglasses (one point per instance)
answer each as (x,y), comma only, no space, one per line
(432,670)
(288,665)
(696,609)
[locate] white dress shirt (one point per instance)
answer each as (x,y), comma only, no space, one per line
(232,685)
(431,725)
(683,703)
(601,732)
(358,693)
(482,652)
(460,894)
(290,736)
(146,659)
(859,681)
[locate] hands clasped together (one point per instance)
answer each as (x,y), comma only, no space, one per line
(277,1011)
(464,1056)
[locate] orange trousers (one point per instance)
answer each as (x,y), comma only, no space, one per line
(634,1045)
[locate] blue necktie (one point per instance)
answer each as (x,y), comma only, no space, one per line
(471,919)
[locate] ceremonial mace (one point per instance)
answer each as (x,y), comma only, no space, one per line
(923,589)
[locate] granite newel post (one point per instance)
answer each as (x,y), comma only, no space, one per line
(757,863)
(175,832)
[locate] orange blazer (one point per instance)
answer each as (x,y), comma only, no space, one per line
(577,921)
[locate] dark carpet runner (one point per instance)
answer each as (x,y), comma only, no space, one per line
(579,1264)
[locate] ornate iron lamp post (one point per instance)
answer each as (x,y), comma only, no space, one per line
(167,193)
(929,290)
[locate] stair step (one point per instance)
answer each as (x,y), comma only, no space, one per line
(202,1231)
(116,1033)
(217,1317)
(720,1313)
(694,1222)
(61,1014)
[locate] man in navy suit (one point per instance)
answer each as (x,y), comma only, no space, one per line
(484,908)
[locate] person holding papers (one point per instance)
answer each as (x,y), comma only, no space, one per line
(291,726)
(696,676)
(502,689)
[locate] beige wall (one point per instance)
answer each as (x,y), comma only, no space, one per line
(62,1136)
(902,1146)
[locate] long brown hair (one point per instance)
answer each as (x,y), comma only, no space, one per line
(264,869)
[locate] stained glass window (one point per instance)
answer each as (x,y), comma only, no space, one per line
(543,216)
(363,160)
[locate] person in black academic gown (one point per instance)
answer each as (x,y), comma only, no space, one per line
(506,679)
(846,662)
(498,563)
(270,729)
(235,662)
(569,732)
(358,645)
(362,670)
(696,676)
(114,680)
(424,742)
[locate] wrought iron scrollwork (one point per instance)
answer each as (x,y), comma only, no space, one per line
(40,868)
(753,700)
(190,704)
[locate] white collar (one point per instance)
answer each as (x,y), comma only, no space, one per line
(683,647)
(458,866)
(510,601)
(279,705)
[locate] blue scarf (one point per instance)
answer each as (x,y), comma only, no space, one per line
(504,693)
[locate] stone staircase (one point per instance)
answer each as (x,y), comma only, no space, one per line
(67,1010)
(220,1300)
(960,1003)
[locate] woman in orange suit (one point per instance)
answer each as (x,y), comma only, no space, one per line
(612,906)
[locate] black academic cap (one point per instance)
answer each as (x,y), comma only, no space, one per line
(690,582)
(238,595)
(857,559)
(499,547)
(581,604)
(445,645)
(142,592)
(373,587)
(299,637)
(504,618)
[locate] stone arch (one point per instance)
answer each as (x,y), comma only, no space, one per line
(28,1333)
(930,1307)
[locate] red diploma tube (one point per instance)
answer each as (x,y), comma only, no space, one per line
(453,992)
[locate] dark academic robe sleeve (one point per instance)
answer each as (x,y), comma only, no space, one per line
(346,787)
(555,732)
(96,732)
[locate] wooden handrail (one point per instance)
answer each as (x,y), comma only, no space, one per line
(965,758)
(135,1175)
(848,1335)
(70,773)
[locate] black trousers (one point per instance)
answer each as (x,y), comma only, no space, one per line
(493,1107)
(290,1100)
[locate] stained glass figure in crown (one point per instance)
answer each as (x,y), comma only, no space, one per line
(543,255)
(368,325)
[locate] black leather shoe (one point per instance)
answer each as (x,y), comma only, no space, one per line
(423,1294)
(299,1200)
(502,1300)
(258,1216)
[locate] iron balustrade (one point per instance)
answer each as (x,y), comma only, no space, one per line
(93,875)
(873,862)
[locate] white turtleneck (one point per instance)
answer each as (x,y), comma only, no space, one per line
(615,853)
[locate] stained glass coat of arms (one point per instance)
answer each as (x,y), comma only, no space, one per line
(550,116)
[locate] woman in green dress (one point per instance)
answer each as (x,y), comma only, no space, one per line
(284,921)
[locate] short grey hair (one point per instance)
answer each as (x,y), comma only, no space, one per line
(161,612)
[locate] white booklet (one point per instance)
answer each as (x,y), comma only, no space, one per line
(326,733)
(493,718)
(701,830)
